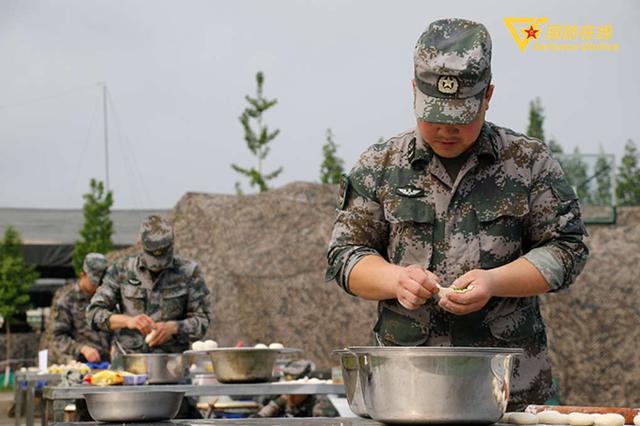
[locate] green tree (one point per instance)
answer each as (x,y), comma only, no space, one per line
(257,139)
(602,195)
(98,227)
(536,126)
(536,120)
(628,179)
(576,172)
(332,166)
(15,279)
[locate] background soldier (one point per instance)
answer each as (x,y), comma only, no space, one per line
(460,202)
(154,291)
(73,338)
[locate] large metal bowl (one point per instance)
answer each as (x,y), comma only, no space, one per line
(412,385)
(133,406)
(351,378)
(159,368)
(245,365)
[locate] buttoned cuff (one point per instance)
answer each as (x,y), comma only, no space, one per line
(548,265)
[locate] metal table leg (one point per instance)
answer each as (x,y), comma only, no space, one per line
(29,406)
(17,400)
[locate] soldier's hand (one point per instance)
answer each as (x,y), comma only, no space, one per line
(479,282)
(163,332)
(91,354)
(143,323)
(415,286)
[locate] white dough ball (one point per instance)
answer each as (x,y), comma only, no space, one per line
(523,418)
(276,346)
(210,344)
(505,418)
(581,419)
(198,346)
(610,419)
(636,420)
(552,417)
(149,337)
(260,346)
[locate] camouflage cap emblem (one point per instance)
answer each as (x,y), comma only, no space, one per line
(448,84)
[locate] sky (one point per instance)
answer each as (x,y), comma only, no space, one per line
(177,72)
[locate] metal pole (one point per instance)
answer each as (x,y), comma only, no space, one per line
(106,134)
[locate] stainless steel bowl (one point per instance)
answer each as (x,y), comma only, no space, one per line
(351,378)
(133,406)
(198,362)
(411,385)
(159,368)
(245,365)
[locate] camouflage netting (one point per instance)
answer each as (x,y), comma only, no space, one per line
(264,259)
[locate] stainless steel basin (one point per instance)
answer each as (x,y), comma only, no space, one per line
(237,365)
(351,378)
(135,406)
(435,385)
(159,368)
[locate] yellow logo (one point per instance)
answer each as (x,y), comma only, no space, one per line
(559,37)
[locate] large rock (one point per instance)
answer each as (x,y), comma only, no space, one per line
(264,260)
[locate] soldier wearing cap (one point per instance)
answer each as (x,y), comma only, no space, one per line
(73,339)
(460,202)
(154,291)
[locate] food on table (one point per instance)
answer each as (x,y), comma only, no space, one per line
(72,365)
(107,378)
(581,419)
(636,420)
(523,418)
(276,345)
(260,346)
(210,344)
(552,417)
(197,346)
(609,419)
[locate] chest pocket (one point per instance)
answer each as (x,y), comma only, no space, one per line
(501,229)
(410,240)
(134,299)
(174,303)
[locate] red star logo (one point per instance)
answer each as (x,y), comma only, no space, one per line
(531,32)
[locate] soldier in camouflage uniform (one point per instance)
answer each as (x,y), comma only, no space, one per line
(459,202)
(153,291)
(73,339)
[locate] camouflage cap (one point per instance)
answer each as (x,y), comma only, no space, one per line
(452,61)
(94,266)
(156,238)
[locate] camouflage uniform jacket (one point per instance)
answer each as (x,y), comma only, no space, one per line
(509,200)
(179,294)
(70,328)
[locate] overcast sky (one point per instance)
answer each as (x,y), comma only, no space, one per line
(177,73)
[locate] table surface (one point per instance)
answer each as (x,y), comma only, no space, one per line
(272,388)
(285,421)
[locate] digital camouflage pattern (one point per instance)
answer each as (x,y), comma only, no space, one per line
(509,200)
(178,293)
(452,60)
(71,330)
(156,239)
(93,266)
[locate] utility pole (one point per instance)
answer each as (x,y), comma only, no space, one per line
(106,133)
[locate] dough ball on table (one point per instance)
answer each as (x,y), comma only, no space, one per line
(610,419)
(210,344)
(505,418)
(636,420)
(581,419)
(197,346)
(552,417)
(523,418)
(260,346)
(276,346)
